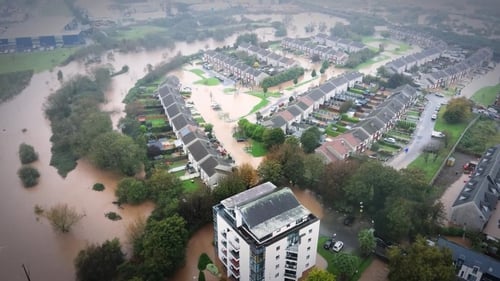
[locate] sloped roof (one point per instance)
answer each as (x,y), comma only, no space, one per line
(272,212)
(208,165)
(248,195)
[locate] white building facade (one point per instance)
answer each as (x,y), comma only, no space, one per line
(264,233)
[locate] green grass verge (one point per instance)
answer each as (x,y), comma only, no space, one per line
(198,72)
(191,185)
(301,83)
(229,90)
(372,61)
(208,81)
(137,32)
(263,103)
(486,96)
(258,149)
(157,122)
(36,61)
(263,95)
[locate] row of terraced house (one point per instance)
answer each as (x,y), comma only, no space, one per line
(405,63)
(454,73)
(371,128)
(224,63)
(206,158)
(310,49)
(311,100)
(267,57)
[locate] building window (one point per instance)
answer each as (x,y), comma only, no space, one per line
(308,256)
(276,275)
(309,240)
(308,248)
(278,265)
(475,269)
(278,248)
(307,265)
(277,257)
(310,230)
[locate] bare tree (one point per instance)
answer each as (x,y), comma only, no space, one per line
(63,217)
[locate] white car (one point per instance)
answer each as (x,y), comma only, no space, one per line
(337,246)
(434,117)
(390,140)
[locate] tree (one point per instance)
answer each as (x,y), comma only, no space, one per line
(28,175)
(314,167)
(347,265)
(99,262)
(163,246)
(115,151)
(313,73)
(335,176)
(131,190)
(248,174)
(315,58)
(421,262)
(59,75)
(382,71)
(295,81)
(63,217)
(247,38)
(196,208)
(367,241)
(272,137)
(345,106)
(27,153)
(270,170)
(317,274)
(164,185)
(310,139)
(397,80)
(228,186)
(458,110)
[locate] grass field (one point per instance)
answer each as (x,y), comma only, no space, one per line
(137,32)
(258,149)
(486,96)
(198,72)
(301,83)
(259,106)
(37,61)
(208,81)
(229,90)
(369,62)
(191,185)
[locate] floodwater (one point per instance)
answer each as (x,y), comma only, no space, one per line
(48,255)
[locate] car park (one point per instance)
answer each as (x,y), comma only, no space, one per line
(337,246)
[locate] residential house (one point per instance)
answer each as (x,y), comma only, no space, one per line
(339,148)
(478,199)
(264,233)
(471,265)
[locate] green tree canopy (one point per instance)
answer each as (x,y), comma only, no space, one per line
(270,170)
(115,151)
(272,137)
(458,110)
(28,175)
(164,246)
(421,262)
(367,241)
(228,186)
(317,274)
(27,153)
(347,265)
(310,139)
(131,190)
(99,262)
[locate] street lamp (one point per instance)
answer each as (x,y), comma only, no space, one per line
(361,208)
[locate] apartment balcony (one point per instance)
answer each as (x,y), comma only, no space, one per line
(235,271)
(235,246)
(235,263)
(224,242)
(235,254)
(290,274)
(224,251)
(291,265)
(224,234)
(291,256)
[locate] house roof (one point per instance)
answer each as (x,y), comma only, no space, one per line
(338,147)
(471,258)
(199,150)
(352,76)
(327,87)
(483,187)
(181,121)
(316,94)
(295,110)
(208,165)
(248,195)
(272,211)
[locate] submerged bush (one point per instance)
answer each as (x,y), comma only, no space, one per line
(28,175)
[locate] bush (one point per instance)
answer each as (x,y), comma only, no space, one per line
(27,153)
(203,261)
(28,175)
(98,187)
(113,216)
(131,191)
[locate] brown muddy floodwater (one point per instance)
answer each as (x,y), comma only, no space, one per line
(24,239)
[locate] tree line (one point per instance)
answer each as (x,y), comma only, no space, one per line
(287,75)
(81,129)
(13,83)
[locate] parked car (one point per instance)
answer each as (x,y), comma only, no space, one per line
(434,117)
(328,244)
(390,140)
(338,246)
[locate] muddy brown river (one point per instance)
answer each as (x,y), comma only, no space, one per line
(24,240)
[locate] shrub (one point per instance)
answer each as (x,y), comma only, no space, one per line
(28,175)
(203,261)
(27,153)
(98,187)
(113,216)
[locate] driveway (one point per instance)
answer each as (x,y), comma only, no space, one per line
(422,134)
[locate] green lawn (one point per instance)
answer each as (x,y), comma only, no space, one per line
(137,32)
(229,90)
(191,185)
(262,95)
(263,103)
(158,122)
(328,256)
(486,96)
(208,81)
(302,83)
(371,61)
(38,61)
(198,72)
(430,164)
(258,149)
